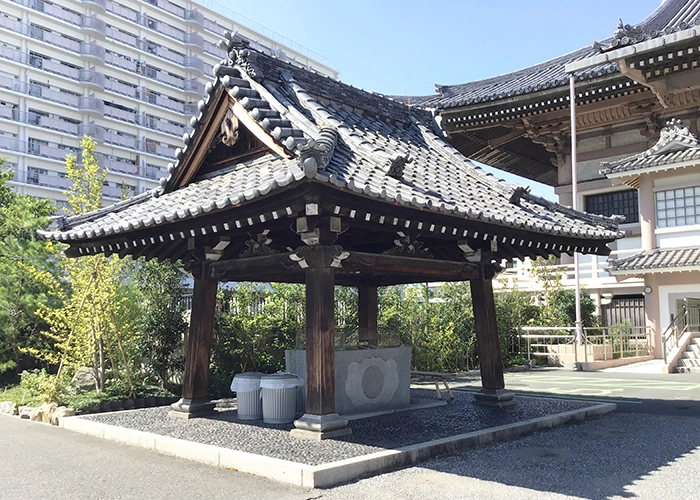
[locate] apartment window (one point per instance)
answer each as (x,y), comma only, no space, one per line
(34,173)
(153,24)
(34,117)
(36,60)
(678,207)
(617,203)
(37,31)
(151,72)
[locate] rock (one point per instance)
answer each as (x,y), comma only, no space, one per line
(61,412)
(25,412)
(84,380)
(8,407)
(43,413)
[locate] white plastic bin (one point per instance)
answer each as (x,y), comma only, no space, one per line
(247,388)
(279,397)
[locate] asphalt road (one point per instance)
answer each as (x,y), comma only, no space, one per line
(649,450)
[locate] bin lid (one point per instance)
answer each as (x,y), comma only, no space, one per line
(246,382)
(279,381)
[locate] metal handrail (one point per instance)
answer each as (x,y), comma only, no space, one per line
(686,319)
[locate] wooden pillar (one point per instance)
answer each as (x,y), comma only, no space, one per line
(367,311)
(320,420)
(493,386)
(194,400)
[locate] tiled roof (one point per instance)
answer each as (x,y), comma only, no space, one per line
(343,137)
(658,259)
(670,16)
(675,145)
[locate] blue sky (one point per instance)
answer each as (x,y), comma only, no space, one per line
(405,47)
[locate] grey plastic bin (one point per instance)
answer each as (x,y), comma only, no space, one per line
(279,397)
(247,389)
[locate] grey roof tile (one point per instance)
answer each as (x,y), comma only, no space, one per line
(676,144)
(371,130)
(658,259)
(670,16)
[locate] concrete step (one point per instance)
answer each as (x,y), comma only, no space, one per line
(689,362)
(686,369)
(693,347)
(688,354)
(695,341)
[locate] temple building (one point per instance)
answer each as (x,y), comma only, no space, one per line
(289,175)
(627,88)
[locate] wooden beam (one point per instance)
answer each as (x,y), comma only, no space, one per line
(244,118)
(320,336)
(194,400)
(409,266)
(491,364)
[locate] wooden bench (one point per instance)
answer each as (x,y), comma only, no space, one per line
(435,377)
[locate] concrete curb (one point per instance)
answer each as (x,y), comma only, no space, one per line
(334,473)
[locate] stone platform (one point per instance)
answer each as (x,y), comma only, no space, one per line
(377,443)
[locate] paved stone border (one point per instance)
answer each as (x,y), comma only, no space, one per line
(334,473)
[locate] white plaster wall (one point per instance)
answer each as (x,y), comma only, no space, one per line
(669,294)
(626,138)
(689,237)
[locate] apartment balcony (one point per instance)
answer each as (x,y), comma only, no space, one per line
(195,63)
(125,141)
(94,26)
(92,52)
(12,54)
(121,11)
(162,126)
(194,86)
(46,151)
(47,122)
(214,50)
(52,181)
(53,95)
(13,25)
(194,41)
(112,165)
(159,51)
(194,18)
(120,36)
(92,78)
(91,105)
(155,149)
(92,130)
(120,88)
(191,108)
(112,192)
(52,10)
(54,38)
(120,62)
(97,5)
(168,6)
(163,102)
(162,28)
(120,114)
(57,68)
(7,113)
(169,79)
(12,144)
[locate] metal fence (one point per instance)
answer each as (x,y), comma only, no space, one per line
(598,343)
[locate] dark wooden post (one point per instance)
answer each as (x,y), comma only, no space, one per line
(320,420)
(194,400)
(493,386)
(367,311)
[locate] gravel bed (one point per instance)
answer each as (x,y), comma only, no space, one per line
(369,435)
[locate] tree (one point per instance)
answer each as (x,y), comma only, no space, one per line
(24,258)
(161,323)
(90,328)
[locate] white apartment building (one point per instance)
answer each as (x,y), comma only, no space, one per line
(128,73)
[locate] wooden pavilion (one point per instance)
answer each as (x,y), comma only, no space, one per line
(295,177)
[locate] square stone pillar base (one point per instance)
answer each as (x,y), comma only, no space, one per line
(320,427)
(491,397)
(192,408)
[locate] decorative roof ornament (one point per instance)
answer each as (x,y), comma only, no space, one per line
(317,154)
(674,136)
(518,193)
(397,165)
(229,129)
(408,245)
(626,34)
(259,245)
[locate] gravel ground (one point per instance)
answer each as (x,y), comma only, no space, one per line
(369,435)
(614,456)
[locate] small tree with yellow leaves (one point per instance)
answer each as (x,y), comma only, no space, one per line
(91,327)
